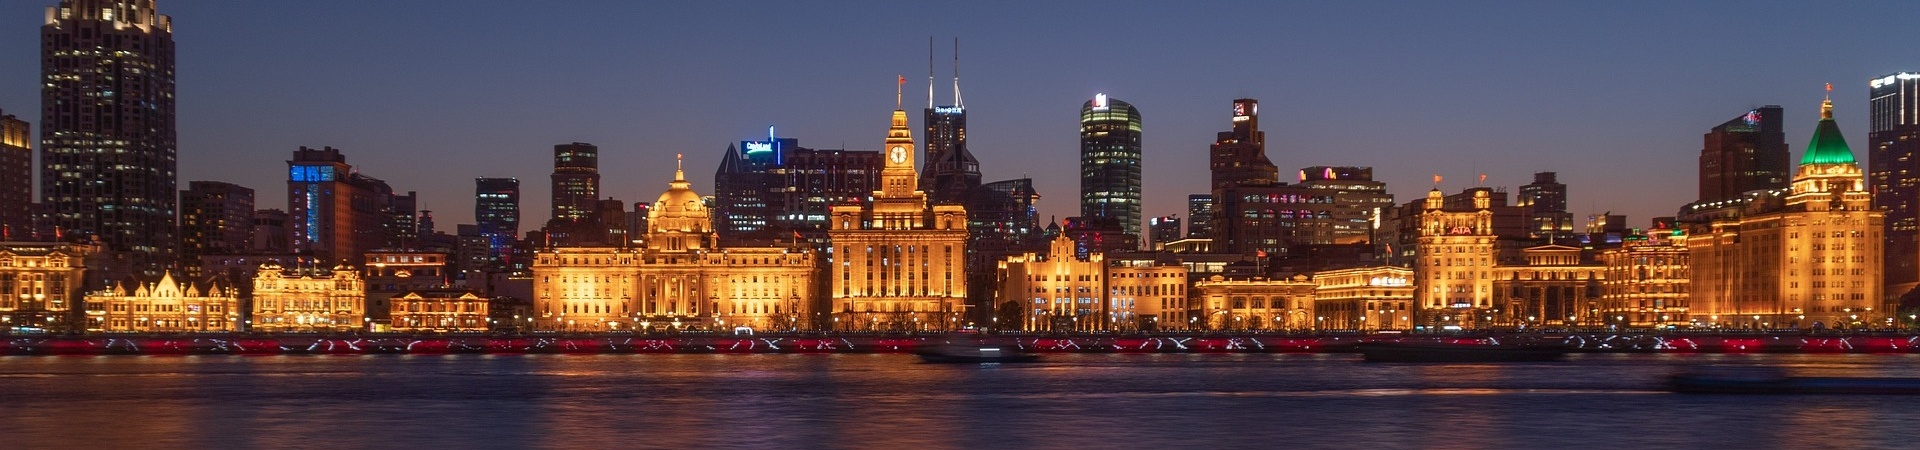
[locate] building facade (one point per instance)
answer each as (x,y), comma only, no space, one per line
(1239,157)
(1330,205)
(337,214)
(1811,260)
(576,180)
(1254,304)
(1550,285)
(1110,162)
(308,300)
(1545,202)
(107,135)
(216,218)
(1454,261)
(167,305)
(16,179)
(439,311)
(1893,172)
(41,284)
(496,210)
(896,262)
(1364,298)
(1146,296)
(1744,154)
(1647,281)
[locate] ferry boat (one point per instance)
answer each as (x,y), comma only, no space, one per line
(973,353)
(1773,380)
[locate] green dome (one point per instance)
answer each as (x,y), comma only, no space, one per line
(1828,146)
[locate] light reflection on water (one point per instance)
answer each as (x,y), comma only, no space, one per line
(891,401)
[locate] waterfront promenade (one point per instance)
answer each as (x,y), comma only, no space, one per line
(292,344)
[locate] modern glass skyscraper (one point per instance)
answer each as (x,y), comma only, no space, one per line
(107,127)
(496,209)
(16,179)
(1546,203)
(1110,162)
(1893,170)
(1746,153)
(576,180)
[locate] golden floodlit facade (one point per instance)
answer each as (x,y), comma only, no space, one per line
(680,278)
(1812,261)
(308,299)
(1059,291)
(1647,281)
(1364,298)
(1454,261)
(1254,304)
(40,284)
(168,305)
(438,311)
(897,264)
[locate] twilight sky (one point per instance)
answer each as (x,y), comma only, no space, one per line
(430,94)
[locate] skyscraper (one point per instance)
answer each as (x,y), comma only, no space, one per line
(951,171)
(337,214)
(107,127)
(769,190)
(1744,154)
(1110,162)
(216,218)
(1893,168)
(16,179)
(1546,204)
(576,181)
(1200,216)
(496,210)
(1239,157)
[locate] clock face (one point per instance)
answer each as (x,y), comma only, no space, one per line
(899,154)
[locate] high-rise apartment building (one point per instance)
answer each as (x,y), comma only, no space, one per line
(1545,201)
(107,142)
(576,180)
(1893,170)
(216,218)
(16,179)
(496,209)
(1110,162)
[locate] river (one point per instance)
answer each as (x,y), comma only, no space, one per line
(890,401)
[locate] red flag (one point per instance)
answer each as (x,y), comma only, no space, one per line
(1261,253)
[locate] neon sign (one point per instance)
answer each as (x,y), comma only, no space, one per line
(1099,102)
(949,110)
(757,147)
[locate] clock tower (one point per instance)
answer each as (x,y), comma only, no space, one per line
(899,179)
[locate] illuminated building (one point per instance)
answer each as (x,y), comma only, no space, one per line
(1200,216)
(680,279)
(308,299)
(1606,230)
(1254,304)
(1239,157)
(215,219)
(40,283)
(439,311)
(1161,230)
(576,180)
(1555,286)
(1364,298)
(389,273)
(107,131)
(1453,261)
(1810,261)
(768,190)
(1647,280)
(1893,171)
(1545,202)
(1110,162)
(16,179)
(1146,296)
(1062,291)
(1002,220)
(164,306)
(496,210)
(896,263)
(336,213)
(952,173)
(1330,205)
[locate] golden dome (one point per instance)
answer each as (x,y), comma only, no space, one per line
(679,208)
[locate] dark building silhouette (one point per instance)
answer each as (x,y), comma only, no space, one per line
(108,148)
(769,191)
(1110,162)
(1545,201)
(270,233)
(1163,229)
(1893,170)
(16,179)
(216,218)
(1239,157)
(1744,154)
(951,173)
(1330,205)
(1200,216)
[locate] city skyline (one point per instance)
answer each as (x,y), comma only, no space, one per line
(252,100)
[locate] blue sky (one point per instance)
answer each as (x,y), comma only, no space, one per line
(430,94)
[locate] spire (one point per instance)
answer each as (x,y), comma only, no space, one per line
(679,171)
(956,74)
(1826,105)
(929,72)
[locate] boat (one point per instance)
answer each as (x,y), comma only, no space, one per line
(1770,380)
(1459,352)
(973,353)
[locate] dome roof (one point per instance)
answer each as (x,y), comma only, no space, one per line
(1828,146)
(678,202)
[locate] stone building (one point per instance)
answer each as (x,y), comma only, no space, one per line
(308,299)
(167,305)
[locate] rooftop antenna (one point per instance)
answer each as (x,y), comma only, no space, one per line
(956,75)
(929,72)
